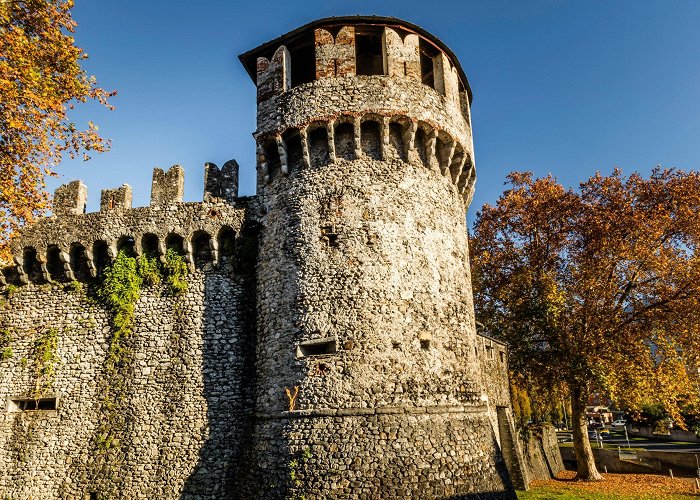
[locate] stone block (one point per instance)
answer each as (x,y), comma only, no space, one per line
(116,199)
(168,187)
(70,199)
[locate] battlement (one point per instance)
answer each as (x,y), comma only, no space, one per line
(355,46)
(349,137)
(167,189)
(73,244)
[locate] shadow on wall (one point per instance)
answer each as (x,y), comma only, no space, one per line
(228,351)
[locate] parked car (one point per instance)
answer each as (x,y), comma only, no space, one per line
(619,423)
(603,432)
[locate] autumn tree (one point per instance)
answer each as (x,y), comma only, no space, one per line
(596,289)
(40,81)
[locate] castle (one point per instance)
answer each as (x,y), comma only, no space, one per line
(323,344)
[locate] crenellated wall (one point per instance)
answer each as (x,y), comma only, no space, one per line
(75,245)
(325,344)
(175,395)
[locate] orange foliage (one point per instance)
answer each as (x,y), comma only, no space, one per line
(40,81)
(598,288)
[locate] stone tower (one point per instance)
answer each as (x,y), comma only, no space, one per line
(368,380)
(324,345)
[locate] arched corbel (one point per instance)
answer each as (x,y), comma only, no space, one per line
(430,140)
(305,147)
(357,136)
(214,247)
(19,267)
(89,258)
(330,131)
(262,162)
(282,151)
(384,131)
(65,260)
(445,168)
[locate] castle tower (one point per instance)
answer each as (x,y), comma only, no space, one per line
(365,171)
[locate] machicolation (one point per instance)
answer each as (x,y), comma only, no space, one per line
(315,340)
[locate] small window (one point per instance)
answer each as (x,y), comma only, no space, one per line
(30,404)
(369,51)
(503,356)
(427,54)
(303,63)
(329,235)
(320,347)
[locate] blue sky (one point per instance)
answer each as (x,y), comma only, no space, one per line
(567,88)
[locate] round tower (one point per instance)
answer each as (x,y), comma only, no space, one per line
(368,382)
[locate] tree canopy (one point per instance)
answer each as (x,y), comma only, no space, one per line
(40,81)
(595,289)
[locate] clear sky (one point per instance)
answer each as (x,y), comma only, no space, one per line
(567,88)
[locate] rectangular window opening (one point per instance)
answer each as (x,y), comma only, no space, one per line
(427,54)
(369,53)
(329,236)
(320,347)
(31,404)
(303,64)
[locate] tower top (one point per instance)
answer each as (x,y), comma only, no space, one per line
(301,42)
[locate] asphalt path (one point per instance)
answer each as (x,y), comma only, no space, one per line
(618,439)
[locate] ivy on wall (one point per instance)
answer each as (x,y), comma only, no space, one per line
(46,358)
(5,341)
(120,290)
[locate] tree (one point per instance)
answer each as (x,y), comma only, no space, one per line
(595,289)
(40,81)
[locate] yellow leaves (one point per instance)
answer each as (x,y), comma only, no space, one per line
(40,78)
(580,283)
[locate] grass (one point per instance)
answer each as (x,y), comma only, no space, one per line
(614,487)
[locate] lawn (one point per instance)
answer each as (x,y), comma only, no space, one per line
(615,486)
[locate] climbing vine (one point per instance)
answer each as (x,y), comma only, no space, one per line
(150,270)
(176,269)
(5,341)
(46,359)
(119,291)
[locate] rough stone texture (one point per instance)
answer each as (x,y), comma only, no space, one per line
(115,199)
(185,402)
(335,57)
(168,187)
(274,76)
(326,345)
(70,199)
(402,56)
(221,183)
(542,459)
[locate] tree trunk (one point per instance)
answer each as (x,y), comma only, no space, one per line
(585,463)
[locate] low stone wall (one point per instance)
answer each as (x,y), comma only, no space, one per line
(541,452)
(673,434)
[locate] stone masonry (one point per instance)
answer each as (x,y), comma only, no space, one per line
(325,346)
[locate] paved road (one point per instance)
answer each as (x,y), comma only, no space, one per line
(618,439)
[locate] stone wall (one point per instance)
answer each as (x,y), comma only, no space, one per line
(326,343)
(542,459)
(364,295)
(185,399)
